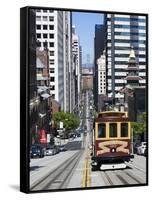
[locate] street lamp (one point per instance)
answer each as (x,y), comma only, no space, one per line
(36,132)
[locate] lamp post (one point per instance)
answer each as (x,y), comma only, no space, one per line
(36,132)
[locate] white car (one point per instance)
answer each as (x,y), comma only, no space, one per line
(50,151)
(142,148)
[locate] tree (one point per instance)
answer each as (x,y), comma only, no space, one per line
(140,127)
(70,120)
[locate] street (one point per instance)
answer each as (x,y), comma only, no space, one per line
(72,168)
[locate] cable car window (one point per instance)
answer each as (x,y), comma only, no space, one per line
(113,130)
(124,129)
(101,130)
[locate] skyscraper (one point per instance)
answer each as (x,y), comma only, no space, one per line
(101,62)
(124,32)
(53,28)
(76,53)
(99,45)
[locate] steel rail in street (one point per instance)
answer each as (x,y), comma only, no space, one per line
(56,178)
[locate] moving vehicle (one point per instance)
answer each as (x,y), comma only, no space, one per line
(111,146)
(36,151)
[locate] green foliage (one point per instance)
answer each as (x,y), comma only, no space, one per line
(70,120)
(139,127)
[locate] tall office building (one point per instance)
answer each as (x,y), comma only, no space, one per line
(99,45)
(53,28)
(76,53)
(101,62)
(123,33)
(67,27)
(33,96)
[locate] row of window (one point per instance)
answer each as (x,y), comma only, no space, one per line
(131,34)
(133,42)
(124,70)
(45,11)
(125,62)
(130,41)
(129,19)
(101,84)
(127,48)
(51,44)
(45,35)
(129,26)
(44,27)
(127,56)
(102,76)
(45,18)
(113,130)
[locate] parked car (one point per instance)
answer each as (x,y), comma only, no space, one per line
(62,148)
(37,151)
(57,149)
(50,151)
(141,150)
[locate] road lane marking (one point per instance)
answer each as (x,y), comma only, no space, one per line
(86,180)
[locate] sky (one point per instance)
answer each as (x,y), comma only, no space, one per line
(85,28)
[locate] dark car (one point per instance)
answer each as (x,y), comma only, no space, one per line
(37,151)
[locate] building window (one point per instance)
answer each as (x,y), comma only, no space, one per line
(38,44)
(52,79)
(52,87)
(45,11)
(51,27)
(51,70)
(51,11)
(51,53)
(38,35)
(45,27)
(52,62)
(38,18)
(51,35)
(51,44)
(45,35)
(38,27)
(38,10)
(45,18)
(51,18)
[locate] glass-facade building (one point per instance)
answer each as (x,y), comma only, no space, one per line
(124,32)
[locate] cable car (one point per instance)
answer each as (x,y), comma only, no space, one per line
(112,145)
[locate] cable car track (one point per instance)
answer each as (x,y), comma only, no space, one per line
(125,177)
(57,178)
